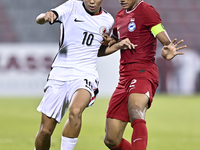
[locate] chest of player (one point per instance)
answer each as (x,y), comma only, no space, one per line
(133,26)
(85,29)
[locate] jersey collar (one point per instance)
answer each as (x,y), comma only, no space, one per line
(92,14)
(134,7)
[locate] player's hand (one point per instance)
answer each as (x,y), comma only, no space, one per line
(170,51)
(49,17)
(126,44)
(107,40)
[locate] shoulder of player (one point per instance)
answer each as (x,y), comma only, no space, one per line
(107,14)
(147,10)
(75,3)
(147,7)
(120,13)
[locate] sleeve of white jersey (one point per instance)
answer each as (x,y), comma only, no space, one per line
(112,21)
(64,10)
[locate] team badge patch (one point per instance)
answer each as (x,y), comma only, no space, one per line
(102,30)
(131,26)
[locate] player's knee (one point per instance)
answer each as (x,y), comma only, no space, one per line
(45,133)
(136,113)
(75,113)
(110,142)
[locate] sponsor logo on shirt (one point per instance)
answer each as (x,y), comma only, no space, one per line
(77,20)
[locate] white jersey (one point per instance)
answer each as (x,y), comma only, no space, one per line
(81,34)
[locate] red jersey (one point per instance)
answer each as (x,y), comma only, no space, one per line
(136,25)
(138,71)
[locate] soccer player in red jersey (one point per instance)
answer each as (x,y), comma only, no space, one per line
(141,23)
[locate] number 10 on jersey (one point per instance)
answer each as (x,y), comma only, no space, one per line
(87,39)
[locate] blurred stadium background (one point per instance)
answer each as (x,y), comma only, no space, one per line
(27,49)
(26,53)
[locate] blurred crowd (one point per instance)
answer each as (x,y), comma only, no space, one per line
(180,75)
(180,18)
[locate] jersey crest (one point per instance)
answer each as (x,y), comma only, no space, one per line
(132,26)
(102,30)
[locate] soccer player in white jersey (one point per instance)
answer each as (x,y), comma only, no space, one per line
(73,80)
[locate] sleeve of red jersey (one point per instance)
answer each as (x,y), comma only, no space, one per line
(152,17)
(114,31)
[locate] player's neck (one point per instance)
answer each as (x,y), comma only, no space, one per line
(135,4)
(92,14)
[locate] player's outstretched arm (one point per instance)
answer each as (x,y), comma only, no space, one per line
(123,45)
(170,48)
(46,17)
(108,41)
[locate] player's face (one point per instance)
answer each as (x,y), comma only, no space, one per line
(93,6)
(128,4)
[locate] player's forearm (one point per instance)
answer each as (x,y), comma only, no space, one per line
(165,40)
(104,51)
(40,19)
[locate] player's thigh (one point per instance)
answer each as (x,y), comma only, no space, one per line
(80,100)
(137,106)
(114,130)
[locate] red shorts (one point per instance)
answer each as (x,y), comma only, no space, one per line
(118,107)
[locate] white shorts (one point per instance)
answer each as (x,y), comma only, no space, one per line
(58,95)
